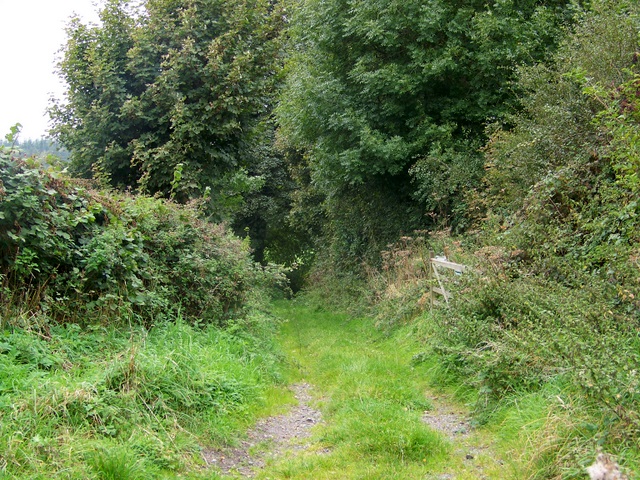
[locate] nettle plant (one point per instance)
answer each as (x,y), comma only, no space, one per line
(69,248)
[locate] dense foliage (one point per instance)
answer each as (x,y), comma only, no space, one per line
(69,247)
(183,88)
(389,101)
(170,83)
(516,122)
(132,333)
(561,183)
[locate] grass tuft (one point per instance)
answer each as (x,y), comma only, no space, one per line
(115,464)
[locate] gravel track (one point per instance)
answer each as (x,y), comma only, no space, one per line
(277,434)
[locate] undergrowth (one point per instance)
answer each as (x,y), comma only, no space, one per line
(74,251)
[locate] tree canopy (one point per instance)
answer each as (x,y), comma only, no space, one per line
(382,107)
(395,96)
(174,82)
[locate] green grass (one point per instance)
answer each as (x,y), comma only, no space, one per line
(372,397)
(373,385)
(123,402)
(115,464)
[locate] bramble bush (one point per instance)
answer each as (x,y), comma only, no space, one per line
(70,248)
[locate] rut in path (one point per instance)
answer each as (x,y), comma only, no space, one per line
(277,434)
(377,406)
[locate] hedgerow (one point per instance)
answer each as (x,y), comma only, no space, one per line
(69,247)
(132,331)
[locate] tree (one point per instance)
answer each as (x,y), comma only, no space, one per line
(91,124)
(177,82)
(562,179)
(396,95)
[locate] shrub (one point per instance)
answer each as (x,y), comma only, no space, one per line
(555,129)
(80,249)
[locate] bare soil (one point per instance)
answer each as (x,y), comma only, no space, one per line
(452,421)
(447,419)
(271,437)
(275,436)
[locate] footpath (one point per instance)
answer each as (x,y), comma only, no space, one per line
(364,410)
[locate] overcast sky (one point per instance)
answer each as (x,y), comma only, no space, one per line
(31,33)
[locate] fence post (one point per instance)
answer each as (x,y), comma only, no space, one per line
(434,263)
(430,278)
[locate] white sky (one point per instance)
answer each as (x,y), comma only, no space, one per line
(31,34)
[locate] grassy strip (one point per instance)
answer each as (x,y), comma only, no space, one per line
(372,397)
(124,402)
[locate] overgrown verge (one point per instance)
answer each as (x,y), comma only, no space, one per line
(132,331)
(572,352)
(551,370)
(112,402)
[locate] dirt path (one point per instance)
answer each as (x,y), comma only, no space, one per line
(376,404)
(274,436)
(454,424)
(271,437)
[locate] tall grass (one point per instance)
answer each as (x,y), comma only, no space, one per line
(120,401)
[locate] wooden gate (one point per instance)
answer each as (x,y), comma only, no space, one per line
(435,263)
